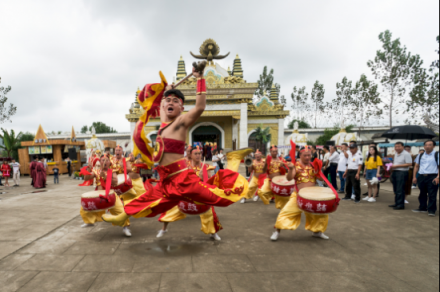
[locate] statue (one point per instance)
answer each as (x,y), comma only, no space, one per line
(296,126)
(209,51)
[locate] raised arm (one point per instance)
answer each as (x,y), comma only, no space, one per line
(194,114)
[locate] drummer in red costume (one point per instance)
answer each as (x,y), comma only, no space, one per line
(210,223)
(290,216)
(100,176)
(274,167)
(258,177)
(90,218)
(177,181)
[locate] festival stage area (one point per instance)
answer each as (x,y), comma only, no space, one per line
(372,248)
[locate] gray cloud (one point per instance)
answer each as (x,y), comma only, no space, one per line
(75,62)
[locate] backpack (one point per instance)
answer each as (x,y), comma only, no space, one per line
(435,156)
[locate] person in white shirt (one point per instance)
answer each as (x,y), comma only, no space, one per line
(353,174)
(342,166)
(332,165)
(221,157)
(215,161)
(15,172)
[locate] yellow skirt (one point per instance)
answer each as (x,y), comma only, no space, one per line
(290,218)
(207,219)
(93,217)
(265,194)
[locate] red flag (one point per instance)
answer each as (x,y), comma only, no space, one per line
(293,152)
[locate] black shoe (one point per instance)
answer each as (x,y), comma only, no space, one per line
(399,208)
(357,201)
(392,206)
(419,211)
(346,199)
(366,194)
(431,215)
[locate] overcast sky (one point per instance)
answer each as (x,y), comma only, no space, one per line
(73,62)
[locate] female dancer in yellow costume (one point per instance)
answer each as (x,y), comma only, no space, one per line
(210,224)
(290,216)
(257,169)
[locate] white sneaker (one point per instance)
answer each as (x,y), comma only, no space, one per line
(256,198)
(242,201)
(365,184)
(161,233)
(372,200)
(216,237)
(126,231)
(353,197)
(321,235)
(366,199)
(275,236)
(87,225)
(406,202)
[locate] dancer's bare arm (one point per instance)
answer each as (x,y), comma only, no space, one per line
(194,114)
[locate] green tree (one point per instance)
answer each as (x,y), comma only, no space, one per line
(301,106)
(263,136)
(6,112)
(22,138)
(365,102)
(317,97)
(424,98)
(100,128)
(394,67)
(265,83)
(301,124)
(342,103)
(10,141)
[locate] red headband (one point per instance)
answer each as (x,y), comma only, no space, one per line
(258,151)
(305,149)
(273,147)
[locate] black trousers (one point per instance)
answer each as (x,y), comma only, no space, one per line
(399,179)
(333,174)
(350,183)
(428,193)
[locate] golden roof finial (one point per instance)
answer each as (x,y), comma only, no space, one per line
(181,58)
(237,57)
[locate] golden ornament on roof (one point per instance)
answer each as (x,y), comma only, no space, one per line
(209,51)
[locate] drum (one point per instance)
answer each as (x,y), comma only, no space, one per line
(96,201)
(123,186)
(317,200)
(280,186)
(192,208)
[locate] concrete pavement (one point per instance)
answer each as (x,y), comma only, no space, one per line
(372,248)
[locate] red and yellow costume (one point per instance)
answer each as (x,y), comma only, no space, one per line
(290,216)
(177,181)
(258,178)
(209,220)
(265,193)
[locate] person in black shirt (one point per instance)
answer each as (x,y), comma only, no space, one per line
(314,153)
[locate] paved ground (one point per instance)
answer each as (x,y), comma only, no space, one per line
(372,248)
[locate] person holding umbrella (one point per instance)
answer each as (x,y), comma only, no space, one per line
(399,176)
(427,165)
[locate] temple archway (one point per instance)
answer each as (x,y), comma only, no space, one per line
(253,143)
(207,132)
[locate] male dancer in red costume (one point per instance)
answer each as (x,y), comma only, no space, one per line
(177,181)
(274,167)
(210,223)
(290,216)
(258,177)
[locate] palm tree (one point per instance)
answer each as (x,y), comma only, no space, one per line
(10,141)
(263,136)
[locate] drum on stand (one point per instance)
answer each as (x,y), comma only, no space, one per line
(97,201)
(192,208)
(317,200)
(280,186)
(123,185)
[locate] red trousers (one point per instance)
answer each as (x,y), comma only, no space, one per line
(178,183)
